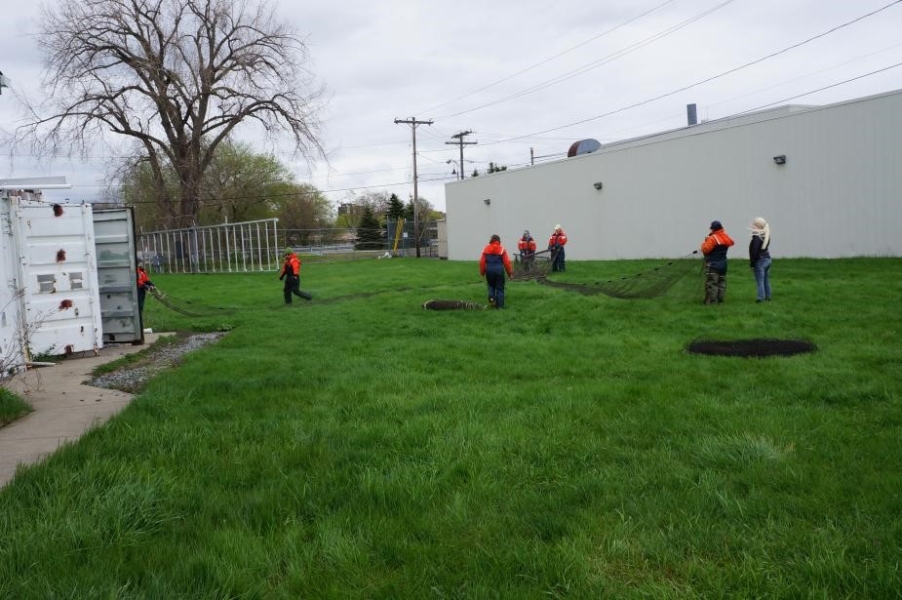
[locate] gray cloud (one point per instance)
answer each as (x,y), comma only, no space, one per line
(514,69)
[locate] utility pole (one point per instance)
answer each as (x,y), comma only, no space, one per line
(416,218)
(460,142)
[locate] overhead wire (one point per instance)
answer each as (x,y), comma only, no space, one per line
(649,139)
(675,115)
(549,59)
(706,80)
(820,89)
(597,63)
(622,109)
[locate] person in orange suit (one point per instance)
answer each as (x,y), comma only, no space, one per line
(527,247)
(494,265)
(556,244)
(715,247)
(144,285)
(291,273)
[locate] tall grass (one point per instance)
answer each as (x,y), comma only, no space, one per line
(11,406)
(359,446)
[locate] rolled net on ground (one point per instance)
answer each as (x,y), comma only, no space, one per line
(188,307)
(651,283)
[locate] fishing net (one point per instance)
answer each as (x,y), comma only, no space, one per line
(187,307)
(652,283)
(532,267)
(452,305)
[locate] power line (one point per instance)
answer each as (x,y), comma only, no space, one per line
(649,139)
(598,63)
(820,89)
(675,115)
(551,58)
(707,80)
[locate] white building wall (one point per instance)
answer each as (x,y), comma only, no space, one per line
(838,195)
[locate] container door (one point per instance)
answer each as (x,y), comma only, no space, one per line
(12,351)
(58,271)
(114,240)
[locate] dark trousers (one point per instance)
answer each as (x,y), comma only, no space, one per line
(495,281)
(557,259)
(293,286)
(715,281)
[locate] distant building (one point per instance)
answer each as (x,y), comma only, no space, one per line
(827,178)
(350,209)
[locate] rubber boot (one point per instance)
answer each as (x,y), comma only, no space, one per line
(710,288)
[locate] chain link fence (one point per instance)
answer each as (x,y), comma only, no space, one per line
(258,245)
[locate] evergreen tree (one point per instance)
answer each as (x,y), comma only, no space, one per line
(369,232)
(396,208)
(395,215)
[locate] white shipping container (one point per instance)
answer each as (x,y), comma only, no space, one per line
(50,299)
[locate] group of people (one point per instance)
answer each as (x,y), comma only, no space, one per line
(290,273)
(495,263)
(715,247)
(527,247)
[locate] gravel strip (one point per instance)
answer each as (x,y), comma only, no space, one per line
(133,377)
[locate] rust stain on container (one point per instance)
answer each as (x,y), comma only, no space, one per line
(60,255)
(57,210)
(65,304)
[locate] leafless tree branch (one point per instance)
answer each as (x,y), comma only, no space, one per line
(177,76)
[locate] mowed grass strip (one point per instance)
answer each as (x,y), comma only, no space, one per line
(360,446)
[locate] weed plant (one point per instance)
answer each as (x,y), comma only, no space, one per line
(358,446)
(11,406)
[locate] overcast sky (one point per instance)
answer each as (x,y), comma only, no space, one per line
(525,76)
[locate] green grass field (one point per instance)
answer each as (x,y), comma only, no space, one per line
(358,446)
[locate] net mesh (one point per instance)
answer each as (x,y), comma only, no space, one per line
(652,283)
(535,266)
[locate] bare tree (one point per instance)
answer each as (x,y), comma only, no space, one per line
(177,77)
(15,351)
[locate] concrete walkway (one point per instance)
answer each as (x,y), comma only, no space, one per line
(64,408)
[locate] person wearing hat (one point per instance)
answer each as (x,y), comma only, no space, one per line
(291,273)
(493,265)
(715,249)
(759,257)
(556,244)
(527,247)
